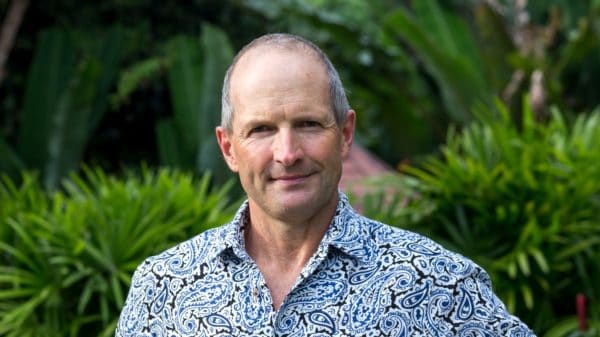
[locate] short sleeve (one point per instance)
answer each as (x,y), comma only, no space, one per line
(134,317)
(479,312)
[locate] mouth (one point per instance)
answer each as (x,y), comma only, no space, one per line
(291,178)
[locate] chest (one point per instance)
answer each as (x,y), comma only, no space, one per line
(339,300)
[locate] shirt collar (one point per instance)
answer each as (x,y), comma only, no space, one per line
(347,232)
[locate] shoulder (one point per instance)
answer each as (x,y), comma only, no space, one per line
(427,258)
(200,249)
(184,257)
(156,276)
(426,275)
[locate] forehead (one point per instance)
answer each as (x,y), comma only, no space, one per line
(263,65)
(271,76)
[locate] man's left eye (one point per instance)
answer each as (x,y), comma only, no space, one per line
(309,124)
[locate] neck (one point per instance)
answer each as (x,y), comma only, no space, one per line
(281,249)
(274,240)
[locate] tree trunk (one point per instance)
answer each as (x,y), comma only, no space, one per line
(10,26)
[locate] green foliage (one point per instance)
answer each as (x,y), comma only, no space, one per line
(132,77)
(564,43)
(10,163)
(195,77)
(410,68)
(413,67)
(449,53)
(67,257)
(65,97)
(195,69)
(569,327)
(523,201)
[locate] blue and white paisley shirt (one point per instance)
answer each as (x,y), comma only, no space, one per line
(365,279)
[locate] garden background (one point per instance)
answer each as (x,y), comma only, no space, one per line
(488,110)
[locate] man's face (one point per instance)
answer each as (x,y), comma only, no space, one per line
(284,143)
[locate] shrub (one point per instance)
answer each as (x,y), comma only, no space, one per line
(67,257)
(522,200)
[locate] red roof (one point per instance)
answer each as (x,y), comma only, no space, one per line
(360,164)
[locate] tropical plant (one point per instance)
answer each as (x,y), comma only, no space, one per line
(195,78)
(67,257)
(520,199)
(195,69)
(410,67)
(448,51)
(65,98)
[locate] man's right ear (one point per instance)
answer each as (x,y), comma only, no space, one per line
(224,140)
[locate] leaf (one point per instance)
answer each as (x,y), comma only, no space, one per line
(460,82)
(169,148)
(578,247)
(70,124)
(185,75)
(16,317)
(492,30)
(527,296)
(52,67)
(563,328)
(10,163)
(109,57)
(540,259)
(64,100)
(431,16)
(133,76)
(158,208)
(217,56)
(523,263)
(85,296)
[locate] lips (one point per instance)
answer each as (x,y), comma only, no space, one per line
(291,177)
(294,177)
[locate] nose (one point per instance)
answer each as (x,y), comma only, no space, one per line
(287,149)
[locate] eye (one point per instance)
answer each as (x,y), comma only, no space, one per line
(259,129)
(309,124)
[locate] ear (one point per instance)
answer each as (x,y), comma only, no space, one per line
(348,132)
(224,140)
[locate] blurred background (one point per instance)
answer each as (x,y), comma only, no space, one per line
(487,111)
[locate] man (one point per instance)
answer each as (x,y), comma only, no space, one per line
(297,260)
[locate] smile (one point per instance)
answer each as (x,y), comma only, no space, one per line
(292,179)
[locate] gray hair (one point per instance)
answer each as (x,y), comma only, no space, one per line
(339,101)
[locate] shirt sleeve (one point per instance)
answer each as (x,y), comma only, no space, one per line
(133,320)
(479,312)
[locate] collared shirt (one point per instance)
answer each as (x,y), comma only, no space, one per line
(365,279)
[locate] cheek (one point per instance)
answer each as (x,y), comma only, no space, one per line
(328,146)
(253,157)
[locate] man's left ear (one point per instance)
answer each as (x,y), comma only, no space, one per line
(348,132)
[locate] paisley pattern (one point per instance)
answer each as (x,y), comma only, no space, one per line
(366,279)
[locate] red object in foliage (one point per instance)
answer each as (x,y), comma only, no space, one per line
(581,312)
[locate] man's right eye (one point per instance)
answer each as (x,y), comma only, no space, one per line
(259,129)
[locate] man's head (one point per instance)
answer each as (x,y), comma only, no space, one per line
(339,101)
(283,137)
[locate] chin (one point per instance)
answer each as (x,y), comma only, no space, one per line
(295,203)
(304,205)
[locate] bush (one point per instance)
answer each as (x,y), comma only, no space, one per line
(523,201)
(67,257)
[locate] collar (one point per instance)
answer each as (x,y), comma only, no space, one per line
(349,232)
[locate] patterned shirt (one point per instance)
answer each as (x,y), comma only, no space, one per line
(365,279)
